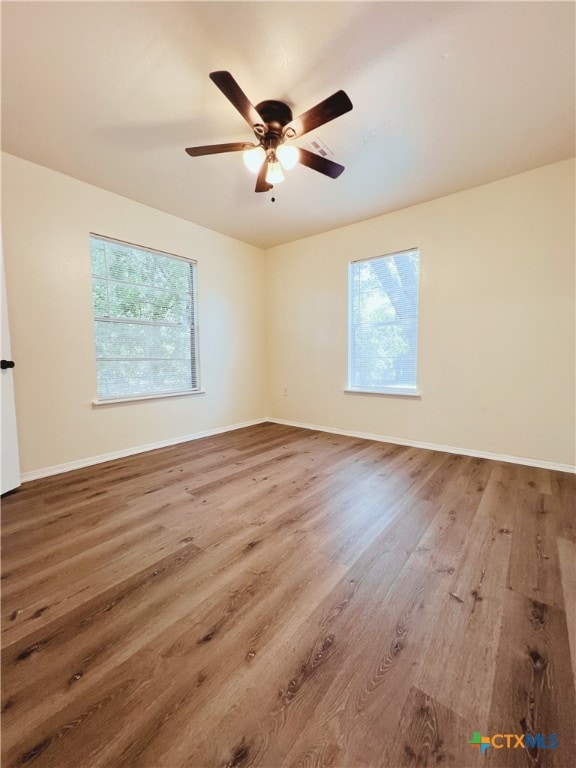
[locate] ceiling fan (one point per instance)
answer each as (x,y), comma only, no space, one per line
(273,125)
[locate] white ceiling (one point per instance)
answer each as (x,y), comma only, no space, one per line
(446,96)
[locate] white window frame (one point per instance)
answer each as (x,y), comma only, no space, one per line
(402,391)
(103,400)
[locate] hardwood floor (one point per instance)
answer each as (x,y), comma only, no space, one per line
(282,597)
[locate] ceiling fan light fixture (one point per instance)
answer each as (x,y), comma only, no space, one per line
(273,123)
(288,156)
(253,158)
(274,173)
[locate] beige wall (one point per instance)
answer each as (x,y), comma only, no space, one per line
(46,220)
(497,343)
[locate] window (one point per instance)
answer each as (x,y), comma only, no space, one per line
(383,331)
(144,321)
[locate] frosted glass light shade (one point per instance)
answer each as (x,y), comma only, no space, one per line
(274,173)
(288,155)
(253,158)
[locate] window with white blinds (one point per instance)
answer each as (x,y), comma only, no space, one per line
(145,324)
(383,324)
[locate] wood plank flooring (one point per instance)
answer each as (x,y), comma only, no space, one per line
(281,597)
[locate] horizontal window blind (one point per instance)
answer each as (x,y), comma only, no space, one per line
(144,320)
(383,327)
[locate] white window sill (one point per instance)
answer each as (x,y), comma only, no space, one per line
(137,398)
(399,391)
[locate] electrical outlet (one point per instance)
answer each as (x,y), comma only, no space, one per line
(285,391)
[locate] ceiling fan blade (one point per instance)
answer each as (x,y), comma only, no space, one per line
(215,149)
(319,163)
(329,109)
(237,97)
(261,183)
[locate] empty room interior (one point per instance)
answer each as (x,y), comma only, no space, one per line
(288,384)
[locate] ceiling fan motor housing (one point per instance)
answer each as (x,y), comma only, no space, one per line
(276,115)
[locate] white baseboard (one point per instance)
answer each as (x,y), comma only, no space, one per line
(57,469)
(529,462)
(91,460)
